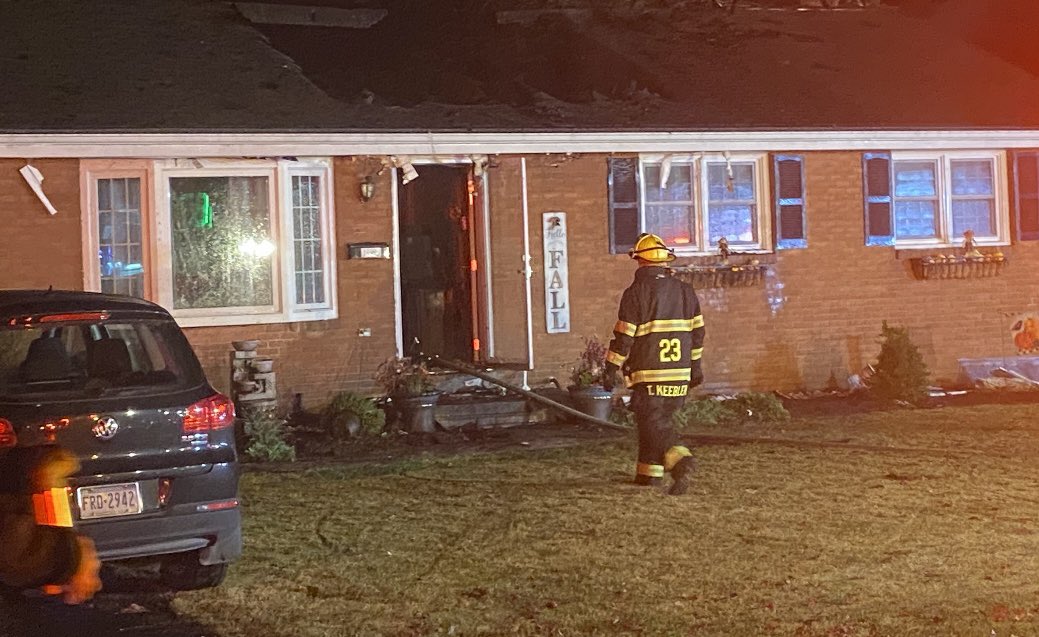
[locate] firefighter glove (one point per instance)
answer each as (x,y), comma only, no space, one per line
(695,378)
(609,374)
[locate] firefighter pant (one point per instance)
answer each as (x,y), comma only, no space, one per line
(659,448)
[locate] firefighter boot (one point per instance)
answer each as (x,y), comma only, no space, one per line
(682,465)
(682,475)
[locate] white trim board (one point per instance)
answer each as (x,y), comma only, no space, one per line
(175,145)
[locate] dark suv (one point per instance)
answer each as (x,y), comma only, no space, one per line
(114,380)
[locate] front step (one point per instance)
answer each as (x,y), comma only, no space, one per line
(481,410)
(470,401)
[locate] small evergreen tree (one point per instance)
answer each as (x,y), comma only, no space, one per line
(901,372)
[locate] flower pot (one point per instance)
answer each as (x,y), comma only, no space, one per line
(416,413)
(594,401)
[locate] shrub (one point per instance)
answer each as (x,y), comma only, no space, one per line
(621,415)
(404,377)
(744,408)
(900,370)
(350,414)
(759,407)
(265,437)
(704,411)
(590,364)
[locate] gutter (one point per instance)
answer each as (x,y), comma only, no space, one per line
(177,145)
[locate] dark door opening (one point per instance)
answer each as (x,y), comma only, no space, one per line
(436,243)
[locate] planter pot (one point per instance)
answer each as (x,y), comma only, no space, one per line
(416,413)
(594,401)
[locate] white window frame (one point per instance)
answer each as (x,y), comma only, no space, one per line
(701,193)
(90,173)
(943,182)
(155,210)
(323,170)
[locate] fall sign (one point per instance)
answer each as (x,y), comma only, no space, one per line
(557,273)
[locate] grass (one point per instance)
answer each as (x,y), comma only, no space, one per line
(889,523)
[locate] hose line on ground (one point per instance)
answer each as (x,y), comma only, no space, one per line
(458,366)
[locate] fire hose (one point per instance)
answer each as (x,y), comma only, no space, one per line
(458,366)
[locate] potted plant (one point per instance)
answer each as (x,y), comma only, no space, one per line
(586,390)
(409,385)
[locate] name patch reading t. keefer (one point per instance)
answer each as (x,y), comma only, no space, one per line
(668,390)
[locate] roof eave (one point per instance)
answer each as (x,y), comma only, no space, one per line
(346,143)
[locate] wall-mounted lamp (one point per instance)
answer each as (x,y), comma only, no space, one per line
(367,189)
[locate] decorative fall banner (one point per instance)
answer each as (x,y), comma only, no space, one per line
(557,273)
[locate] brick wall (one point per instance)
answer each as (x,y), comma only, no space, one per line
(40,249)
(817,316)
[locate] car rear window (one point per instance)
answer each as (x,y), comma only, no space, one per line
(93,358)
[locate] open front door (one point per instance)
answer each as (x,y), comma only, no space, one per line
(439,286)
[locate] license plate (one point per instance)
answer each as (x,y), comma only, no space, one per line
(109,501)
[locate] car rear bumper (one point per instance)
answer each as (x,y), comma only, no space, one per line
(182,524)
(216,534)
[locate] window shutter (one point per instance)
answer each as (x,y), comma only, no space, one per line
(879,209)
(624,203)
(1026,194)
(790,202)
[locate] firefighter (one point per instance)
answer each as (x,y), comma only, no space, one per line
(657,344)
(38,548)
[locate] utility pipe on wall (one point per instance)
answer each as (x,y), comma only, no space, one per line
(488,279)
(527,272)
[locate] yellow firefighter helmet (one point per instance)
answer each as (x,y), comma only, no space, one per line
(651,248)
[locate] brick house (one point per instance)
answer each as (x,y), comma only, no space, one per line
(258,199)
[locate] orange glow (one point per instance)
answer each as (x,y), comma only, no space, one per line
(681,240)
(51,508)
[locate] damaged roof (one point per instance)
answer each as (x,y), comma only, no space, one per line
(157,66)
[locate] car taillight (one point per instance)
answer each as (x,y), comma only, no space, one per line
(8,438)
(208,414)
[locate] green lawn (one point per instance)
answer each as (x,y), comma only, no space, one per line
(889,523)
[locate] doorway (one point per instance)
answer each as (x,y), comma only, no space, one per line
(439,309)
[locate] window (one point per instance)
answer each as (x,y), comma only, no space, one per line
(932,199)
(79,360)
(120,241)
(690,202)
(222,242)
(235,242)
(307,239)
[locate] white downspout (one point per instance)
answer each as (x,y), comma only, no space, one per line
(398,318)
(488,279)
(527,273)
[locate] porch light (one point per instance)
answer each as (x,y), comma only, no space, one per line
(367,189)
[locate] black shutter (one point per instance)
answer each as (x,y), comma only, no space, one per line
(790,202)
(624,203)
(879,208)
(1026,194)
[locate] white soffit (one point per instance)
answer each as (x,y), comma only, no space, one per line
(270,13)
(173,145)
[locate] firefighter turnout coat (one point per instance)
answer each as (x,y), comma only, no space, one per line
(658,338)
